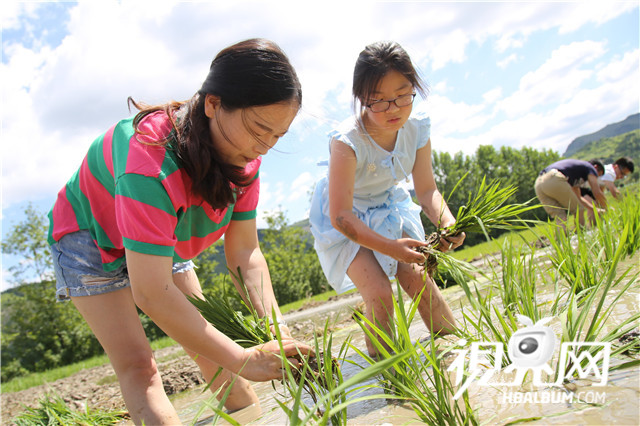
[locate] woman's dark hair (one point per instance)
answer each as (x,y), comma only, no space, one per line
(250,73)
(374,62)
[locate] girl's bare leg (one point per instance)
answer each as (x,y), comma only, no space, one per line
(375,288)
(434,310)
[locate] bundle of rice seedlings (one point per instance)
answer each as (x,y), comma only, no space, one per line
(251,330)
(52,410)
(485,210)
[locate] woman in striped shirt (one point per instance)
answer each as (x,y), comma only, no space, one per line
(152,193)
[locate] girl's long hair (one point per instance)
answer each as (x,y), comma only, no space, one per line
(254,72)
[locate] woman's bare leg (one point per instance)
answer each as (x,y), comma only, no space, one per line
(113,318)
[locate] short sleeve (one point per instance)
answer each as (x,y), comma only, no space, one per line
(247,201)
(344,138)
(424,130)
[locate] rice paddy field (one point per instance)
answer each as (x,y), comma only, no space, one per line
(547,333)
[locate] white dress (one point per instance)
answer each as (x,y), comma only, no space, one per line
(378,200)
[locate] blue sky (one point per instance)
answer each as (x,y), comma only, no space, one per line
(534,74)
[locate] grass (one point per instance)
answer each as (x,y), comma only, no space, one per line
(517,239)
(52,410)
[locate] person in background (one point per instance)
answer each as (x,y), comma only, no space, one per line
(585,189)
(152,193)
(558,190)
(365,224)
(621,168)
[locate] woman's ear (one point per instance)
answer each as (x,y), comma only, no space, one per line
(211,102)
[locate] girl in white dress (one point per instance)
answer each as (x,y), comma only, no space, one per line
(366,226)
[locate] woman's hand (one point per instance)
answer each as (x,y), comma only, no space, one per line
(284,331)
(403,250)
(451,242)
(263,362)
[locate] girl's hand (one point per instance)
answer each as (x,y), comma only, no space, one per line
(451,242)
(403,250)
(263,362)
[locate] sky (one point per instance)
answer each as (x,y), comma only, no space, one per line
(535,74)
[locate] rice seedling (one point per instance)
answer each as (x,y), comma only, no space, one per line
(487,322)
(485,210)
(586,259)
(627,212)
(320,371)
(584,319)
(330,397)
(420,379)
(52,410)
(518,280)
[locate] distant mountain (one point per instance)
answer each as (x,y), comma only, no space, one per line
(629,124)
(610,149)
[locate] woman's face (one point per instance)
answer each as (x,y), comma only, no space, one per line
(243,135)
(390,87)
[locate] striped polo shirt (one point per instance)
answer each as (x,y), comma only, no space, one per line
(132,192)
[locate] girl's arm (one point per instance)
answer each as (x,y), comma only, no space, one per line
(156,294)
(430,199)
(342,169)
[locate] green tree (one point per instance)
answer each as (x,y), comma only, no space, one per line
(39,334)
(293,264)
(508,165)
(28,240)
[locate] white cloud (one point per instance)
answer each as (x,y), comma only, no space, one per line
(300,187)
(492,95)
(57,99)
(506,61)
(556,80)
(622,69)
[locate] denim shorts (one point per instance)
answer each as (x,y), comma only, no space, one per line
(78,268)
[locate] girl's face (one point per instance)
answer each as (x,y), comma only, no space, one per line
(243,135)
(391,86)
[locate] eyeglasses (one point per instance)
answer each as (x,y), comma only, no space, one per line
(400,101)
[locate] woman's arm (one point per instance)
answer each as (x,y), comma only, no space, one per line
(430,199)
(342,169)
(156,294)
(242,250)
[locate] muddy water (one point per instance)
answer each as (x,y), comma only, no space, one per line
(580,404)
